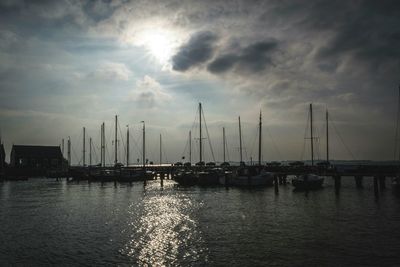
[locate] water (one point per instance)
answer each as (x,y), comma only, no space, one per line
(45,222)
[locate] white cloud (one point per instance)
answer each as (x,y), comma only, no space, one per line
(108,71)
(149,93)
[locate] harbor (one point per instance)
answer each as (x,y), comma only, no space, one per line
(123,224)
(200,133)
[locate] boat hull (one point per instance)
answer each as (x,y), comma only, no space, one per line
(186,179)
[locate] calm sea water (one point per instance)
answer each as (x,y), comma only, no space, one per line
(45,222)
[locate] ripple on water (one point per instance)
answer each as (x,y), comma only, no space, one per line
(163,230)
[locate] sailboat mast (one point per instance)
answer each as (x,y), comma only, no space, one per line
(62,146)
(312,137)
(115,141)
(240,142)
(127,146)
(201,144)
(102,141)
(190,147)
(90,151)
(69,151)
(84,146)
(144,145)
(223,140)
(259,141)
(327,136)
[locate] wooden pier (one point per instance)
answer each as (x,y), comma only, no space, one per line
(379,173)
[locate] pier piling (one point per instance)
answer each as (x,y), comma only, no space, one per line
(276,184)
(338,183)
(382,182)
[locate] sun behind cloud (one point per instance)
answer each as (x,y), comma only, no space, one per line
(160,43)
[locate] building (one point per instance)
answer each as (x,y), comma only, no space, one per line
(2,156)
(36,157)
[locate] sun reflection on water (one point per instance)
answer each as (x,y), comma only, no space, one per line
(163,230)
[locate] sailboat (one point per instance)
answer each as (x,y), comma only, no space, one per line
(309,181)
(251,175)
(202,177)
(209,176)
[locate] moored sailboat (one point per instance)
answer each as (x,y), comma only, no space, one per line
(249,175)
(309,181)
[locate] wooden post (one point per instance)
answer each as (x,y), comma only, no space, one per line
(338,183)
(276,184)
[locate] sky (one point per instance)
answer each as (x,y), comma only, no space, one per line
(70,64)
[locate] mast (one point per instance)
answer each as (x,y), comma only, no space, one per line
(144,145)
(102,159)
(62,147)
(259,141)
(69,151)
(90,151)
(115,141)
(201,144)
(327,136)
(190,147)
(312,137)
(223,140)
(84,146)
(104,144)
(240,142)
(127,146)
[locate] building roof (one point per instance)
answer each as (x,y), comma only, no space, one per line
(2,151)
(37,151)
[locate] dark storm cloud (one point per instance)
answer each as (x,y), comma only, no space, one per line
(367,30)
(255,57)
(196,51)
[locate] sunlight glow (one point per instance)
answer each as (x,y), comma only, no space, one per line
(159,43)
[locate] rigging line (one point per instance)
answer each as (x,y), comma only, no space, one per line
(96,147)
(80,136)
(209,139)
(186,147)
(245,153)
(274,143)
(73,151)
(227,149)
(255,134)
(305,137)
(108,153)
(192,129)
(122,139)
(135,143)
(318,142)
(94,150)
(341,139)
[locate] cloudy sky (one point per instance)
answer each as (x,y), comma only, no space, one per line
(68,64)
